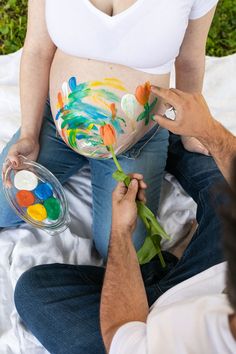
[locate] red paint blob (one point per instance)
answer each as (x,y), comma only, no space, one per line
(25,198)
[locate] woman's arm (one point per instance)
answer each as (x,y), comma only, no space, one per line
(36,61)
(190,64)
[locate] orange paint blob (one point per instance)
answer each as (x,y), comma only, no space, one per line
(108,134)
(25,198)
(60,101)
(113,110)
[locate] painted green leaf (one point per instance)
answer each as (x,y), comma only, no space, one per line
(142,116)
(153,104)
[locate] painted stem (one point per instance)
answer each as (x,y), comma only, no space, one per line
(147,110)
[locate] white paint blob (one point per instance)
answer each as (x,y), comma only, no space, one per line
(25,180)
(129,105)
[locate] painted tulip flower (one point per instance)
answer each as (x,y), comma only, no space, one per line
(142,93)
(108,134)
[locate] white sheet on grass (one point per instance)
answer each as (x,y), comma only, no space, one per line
(25,247)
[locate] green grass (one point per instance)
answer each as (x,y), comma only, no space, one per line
(12,25)
(222,36)
(221,41)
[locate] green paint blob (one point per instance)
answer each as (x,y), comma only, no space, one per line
(53,207)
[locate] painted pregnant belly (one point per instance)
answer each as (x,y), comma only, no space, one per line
(88,110)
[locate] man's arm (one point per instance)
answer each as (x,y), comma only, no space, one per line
(194,119)
(222,146)
(123,295)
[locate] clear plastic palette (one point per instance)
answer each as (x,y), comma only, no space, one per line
(45,185)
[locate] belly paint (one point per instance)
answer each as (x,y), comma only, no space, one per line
(37,212)
(83,108)
(25,198)
(25,180)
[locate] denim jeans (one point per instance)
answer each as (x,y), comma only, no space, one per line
(63,162)
(59,303)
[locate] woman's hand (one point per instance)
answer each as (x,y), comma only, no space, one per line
(27,147)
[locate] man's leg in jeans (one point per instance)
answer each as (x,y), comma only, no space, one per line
(60,303)
(202,180)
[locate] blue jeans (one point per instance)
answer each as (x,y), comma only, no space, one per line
(63,162)
(59,303)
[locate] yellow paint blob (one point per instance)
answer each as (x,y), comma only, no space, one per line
(37,212)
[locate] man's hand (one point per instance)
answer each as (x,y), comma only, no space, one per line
(193,116)
(124,208)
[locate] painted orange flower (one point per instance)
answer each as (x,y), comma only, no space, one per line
(143,92)
(108,134)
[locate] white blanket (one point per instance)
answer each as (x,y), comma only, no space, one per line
(25,247)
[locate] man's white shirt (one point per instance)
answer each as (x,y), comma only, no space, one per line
(190,318)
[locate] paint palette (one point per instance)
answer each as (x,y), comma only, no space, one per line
(37,196)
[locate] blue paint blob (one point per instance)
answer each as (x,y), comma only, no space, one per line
(72,83)
(43,191)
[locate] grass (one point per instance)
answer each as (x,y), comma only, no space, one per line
(222,37)
(221,40)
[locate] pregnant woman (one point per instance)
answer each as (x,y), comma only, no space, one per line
(97,59)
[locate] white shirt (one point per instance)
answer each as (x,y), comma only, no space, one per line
(147,36)
(181,324)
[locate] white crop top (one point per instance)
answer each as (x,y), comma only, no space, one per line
(147,36)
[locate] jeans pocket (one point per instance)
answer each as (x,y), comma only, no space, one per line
(134,151)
